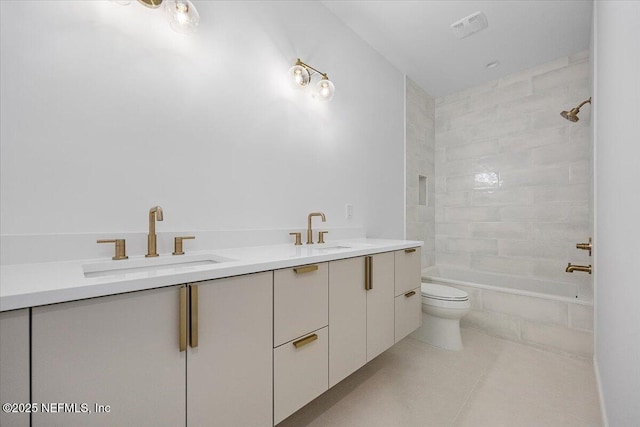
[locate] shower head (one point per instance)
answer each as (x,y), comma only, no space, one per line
(572,115)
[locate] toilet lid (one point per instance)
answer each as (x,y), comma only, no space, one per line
(441,292)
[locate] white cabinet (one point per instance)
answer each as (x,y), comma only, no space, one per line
(408,316)
(300,298)
(229,373)
(121,351)
(408,313)
(301,347)
(150,355)
(300,371)
(14,365)
(361,312)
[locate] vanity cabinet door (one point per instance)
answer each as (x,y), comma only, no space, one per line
(121,351)
(300,373)
(408,313)
(347,318)
(14,365)
(380,305)
(300,301)
(229,373)
(407,270)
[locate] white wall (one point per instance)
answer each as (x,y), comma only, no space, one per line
(617,215)
(420,141)
(106,112)
(513,177)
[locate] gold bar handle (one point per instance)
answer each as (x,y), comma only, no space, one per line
(409,251)
(121,247)
(193,317)
(304,341)
(410,294)
(368,273)
(306,269)
(177,244)
(183,319)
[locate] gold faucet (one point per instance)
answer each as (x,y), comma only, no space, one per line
(155,214)
(571,268)
(309,231)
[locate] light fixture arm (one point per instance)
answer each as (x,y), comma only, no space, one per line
(309,67)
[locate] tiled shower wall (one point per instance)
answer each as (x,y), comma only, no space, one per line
(513,177)
(420,185)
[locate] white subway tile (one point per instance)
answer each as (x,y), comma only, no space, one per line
(521,196)
(580,172)
(534,71)
(471,214)
(561,153)
(561,77)
(501,94)
(549,175)
(500,230)
(454,229)
(530,308)
(475,246)
(561,193)
(541,249)
(458,198)
(566,231)
(461,260)
(581,317)
(497,264)
(452,138)
(503,162)
(550,211)
(471,151)
(558,338)
(583,55)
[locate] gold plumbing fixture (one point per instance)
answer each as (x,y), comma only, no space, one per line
(571,268)
(155,214)
(298,238)
(177,244)
(321,236)
(121,249)
(585,246)
(309,231)
(572,115)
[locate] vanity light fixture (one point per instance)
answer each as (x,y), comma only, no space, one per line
(572,115)
(182,14)
(300,75)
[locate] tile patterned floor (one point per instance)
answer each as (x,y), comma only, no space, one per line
(492,382)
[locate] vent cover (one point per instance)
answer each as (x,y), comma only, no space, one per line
(470,25)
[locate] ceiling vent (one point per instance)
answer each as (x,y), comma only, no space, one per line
(470,25)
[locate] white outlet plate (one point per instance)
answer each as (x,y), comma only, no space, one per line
(348,211)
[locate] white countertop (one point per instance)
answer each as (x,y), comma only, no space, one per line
(30,285)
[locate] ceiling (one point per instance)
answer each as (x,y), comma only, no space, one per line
(416,37)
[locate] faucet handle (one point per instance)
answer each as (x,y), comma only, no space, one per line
(121,248)
(298,238)
(321,236)
(585,246)
(177,244)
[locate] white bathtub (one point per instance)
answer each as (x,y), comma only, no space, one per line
(536,312)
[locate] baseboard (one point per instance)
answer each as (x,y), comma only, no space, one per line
(603,409)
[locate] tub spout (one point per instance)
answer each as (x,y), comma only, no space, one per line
(571,268)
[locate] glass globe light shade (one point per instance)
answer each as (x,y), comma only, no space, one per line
(324,90)
(300,76)
(183,16)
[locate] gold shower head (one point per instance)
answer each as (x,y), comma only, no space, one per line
(572,115)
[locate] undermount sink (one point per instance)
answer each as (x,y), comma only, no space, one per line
(159,264)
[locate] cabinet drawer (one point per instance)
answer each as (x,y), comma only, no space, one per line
(300,301)
(408,313)
(407,271)
(300,374)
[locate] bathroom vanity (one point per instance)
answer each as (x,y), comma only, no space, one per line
(244,341)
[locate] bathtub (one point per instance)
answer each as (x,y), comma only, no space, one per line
(536,312)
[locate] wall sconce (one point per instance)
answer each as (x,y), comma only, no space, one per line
(182,14)
(301,74)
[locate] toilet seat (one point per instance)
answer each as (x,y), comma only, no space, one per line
(442,293)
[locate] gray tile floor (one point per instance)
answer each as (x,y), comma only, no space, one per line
(492,382)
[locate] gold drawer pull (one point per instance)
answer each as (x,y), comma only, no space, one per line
(410,294)
(304,341)
(409,251)
(305,269)
(368,273)
(193,321)
(183,319)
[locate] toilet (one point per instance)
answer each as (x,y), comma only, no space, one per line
(442,309)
